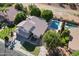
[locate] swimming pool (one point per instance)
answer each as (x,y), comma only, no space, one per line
(54,24)
(70,25)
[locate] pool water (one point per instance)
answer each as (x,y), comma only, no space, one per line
(54,24)
(70,25)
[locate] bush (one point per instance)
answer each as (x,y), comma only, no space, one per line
(6,4)
(20,17)
(47,15)
(34,10)
(19,6)
(65,35)
(32,6)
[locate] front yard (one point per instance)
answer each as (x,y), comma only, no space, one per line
(6,32)
(31,48)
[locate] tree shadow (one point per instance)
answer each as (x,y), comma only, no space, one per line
(28,46)
(70,39)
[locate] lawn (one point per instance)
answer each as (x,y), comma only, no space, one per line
(31,48)
(76,53)
(6,32)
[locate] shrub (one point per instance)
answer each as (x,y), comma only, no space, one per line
(19,6)
(20,17)
(32,6)
(47,14)
(34,10)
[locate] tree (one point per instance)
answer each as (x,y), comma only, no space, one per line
(31,6)
(25,10)
(6,4)
(20,17)
(65,35)
(63,26)
(4,11)
(47,15)
(34,10)
(52,40)
(6,41)
(19,6)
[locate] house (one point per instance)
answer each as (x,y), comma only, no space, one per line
(32,28)
(11,14)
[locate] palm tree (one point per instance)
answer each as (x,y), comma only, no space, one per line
(63,26)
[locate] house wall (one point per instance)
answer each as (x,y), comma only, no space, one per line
(23,32)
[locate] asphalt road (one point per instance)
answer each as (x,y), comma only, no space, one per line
(9,52)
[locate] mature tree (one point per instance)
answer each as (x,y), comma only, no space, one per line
(34,10)
(31,6)
(52,40)
(47,14)
(19,6)
(20,17)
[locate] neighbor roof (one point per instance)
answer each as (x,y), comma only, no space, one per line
(36,25)
(12,12)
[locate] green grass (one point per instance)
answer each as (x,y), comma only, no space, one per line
(36,51)
(31,48)
(6,32)
(76,53)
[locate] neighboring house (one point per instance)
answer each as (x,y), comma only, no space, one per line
(32,28)
(1,17)
(11,14)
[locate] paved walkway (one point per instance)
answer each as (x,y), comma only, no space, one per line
(43,51)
